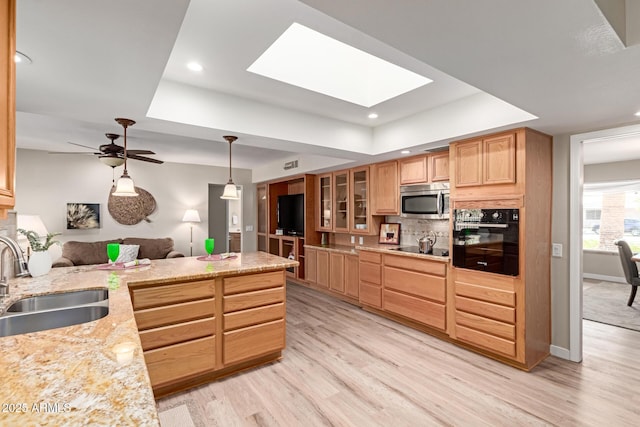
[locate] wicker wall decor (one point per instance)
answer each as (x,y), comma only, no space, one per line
(131,210)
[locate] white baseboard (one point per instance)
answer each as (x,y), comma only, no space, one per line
(604,278)
(561,352)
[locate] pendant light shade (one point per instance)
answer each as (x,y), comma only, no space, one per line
(125,186)
(230,190)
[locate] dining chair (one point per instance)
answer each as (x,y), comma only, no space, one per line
(630,268)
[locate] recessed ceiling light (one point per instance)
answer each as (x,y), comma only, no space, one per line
(405,152)
(373,115)
(20,57)
(194,66)
(308,59)
(637,114)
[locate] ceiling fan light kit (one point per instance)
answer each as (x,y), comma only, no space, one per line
(125,186)
(230,190)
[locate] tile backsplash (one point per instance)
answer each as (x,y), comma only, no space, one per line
(413,229)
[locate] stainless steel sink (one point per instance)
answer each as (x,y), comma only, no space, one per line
(22,323)
(59,300)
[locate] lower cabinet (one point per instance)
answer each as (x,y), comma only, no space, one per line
(333,270)
(416,289)
(196,330)
(370,283)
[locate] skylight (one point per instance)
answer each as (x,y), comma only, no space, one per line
(308,59)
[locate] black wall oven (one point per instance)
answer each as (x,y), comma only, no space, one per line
(486,240)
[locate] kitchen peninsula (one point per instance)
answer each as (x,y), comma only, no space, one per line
(74,375)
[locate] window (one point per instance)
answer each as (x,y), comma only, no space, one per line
(611,211)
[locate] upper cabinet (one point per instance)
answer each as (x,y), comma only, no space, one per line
(485,162)
(7,106)
(424,169)
(341,201)
(324,206)
(439,167)
(385,188)
(361,218)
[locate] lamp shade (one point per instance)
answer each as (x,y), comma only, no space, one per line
(191,215)
(125,187)
(32,223)
(230,192)
(114,162)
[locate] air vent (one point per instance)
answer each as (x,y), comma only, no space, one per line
(291,165)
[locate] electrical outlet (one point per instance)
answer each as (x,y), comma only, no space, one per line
(361,240)
(249,228)
(353,239)
(556,250)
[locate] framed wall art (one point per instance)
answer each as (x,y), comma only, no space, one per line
(389,234)
(83,216)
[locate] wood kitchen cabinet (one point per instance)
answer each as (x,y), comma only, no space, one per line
(424,169)
(7,106)
(486,161)
(351,276)
(370,272)
(263,217)
(311,266)
(324,207)
(507,317)
(416,289)
(332,196)
(361,219)
(333,270)
(385,188)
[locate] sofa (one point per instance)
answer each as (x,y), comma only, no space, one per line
(86,253)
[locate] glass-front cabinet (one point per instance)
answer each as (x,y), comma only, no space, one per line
(324,208)
(341,201)
(360,201)
(263,215)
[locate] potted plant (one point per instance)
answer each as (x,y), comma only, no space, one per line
(40,261)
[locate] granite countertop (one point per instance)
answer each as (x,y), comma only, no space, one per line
(388,249)
(71,376)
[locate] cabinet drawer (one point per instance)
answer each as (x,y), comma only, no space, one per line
(235,285)
(486,341)
(498,296)
(161,316)
(486,309)
(253,299)
(422,285)
(154,296)
(493,327)
(252,316)
(253,341)
(371,295)
(176,362)
(368,256)
(410,263)
(370,272)
(420,310)
(167,335)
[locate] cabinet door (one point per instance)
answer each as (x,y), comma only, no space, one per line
(414,170)
(359,201)
(385,191)
(351,276)
(439,167)
(311,265)
(499,154)
(341,201)
(322,274)
(336,272)
(7,106)
(468,157)
(324,200)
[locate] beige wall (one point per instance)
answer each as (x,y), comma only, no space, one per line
(46,183)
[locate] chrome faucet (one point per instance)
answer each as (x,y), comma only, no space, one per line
(21,264)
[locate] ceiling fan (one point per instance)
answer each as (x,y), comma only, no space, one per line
(112,154)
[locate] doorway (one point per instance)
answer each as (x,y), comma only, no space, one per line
(576,178)
(225,220)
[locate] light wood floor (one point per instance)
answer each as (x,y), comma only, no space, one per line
(346,367)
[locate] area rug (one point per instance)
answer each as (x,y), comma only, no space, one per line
(183,414)
(606,302)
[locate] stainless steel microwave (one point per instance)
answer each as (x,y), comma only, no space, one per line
(425,201)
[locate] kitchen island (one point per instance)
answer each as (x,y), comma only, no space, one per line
(73,375)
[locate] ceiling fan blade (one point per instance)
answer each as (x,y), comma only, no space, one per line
(80,145)
(136,152)
(144,159)
(72,152)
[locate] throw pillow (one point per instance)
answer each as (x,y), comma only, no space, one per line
(128,253)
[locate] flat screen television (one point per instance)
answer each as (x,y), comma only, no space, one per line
(291,214)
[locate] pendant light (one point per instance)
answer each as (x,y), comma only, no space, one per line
(125,186)
(230,190)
